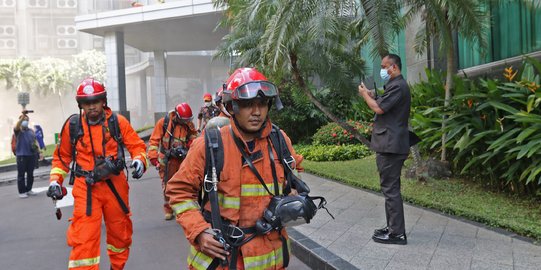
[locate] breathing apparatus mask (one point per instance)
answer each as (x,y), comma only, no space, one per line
(178,152)
(290,210)
(104,167)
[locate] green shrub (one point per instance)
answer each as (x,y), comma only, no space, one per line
(333,152)
(493,127)
(333,134)
(298,112)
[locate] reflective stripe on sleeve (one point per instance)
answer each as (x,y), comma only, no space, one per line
(184,206)
(84,262)
(152,147)
(59,171)
(198,260)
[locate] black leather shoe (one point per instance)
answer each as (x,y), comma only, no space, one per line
(381,231)
(391,238)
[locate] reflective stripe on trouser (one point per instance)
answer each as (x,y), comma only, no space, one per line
(174,165)
(265,261)
(84,231)
(200,261)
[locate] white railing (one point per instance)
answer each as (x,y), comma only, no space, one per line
(98,6)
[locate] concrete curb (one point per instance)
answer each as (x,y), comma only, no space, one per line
(41,176)
(13,166)
(314,255)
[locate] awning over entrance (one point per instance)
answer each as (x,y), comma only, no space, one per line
(174,26)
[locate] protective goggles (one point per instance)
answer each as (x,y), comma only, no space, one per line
(253,89)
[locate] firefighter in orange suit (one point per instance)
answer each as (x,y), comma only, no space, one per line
(95,141)
(242,196)
(169,144)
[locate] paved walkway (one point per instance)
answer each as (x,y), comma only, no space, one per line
(435,241)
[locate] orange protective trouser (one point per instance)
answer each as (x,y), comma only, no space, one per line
(174,165)
(84,231)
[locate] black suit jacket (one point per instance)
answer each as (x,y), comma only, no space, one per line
(390,133)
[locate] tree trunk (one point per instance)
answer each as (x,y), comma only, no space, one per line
(451,70)
(302,84)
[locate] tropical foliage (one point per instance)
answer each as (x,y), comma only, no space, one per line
(299,118)
(442,20)
(51,75)
(314,45)
(493,129)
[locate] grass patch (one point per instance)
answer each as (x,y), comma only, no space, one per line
(521,215)
(145,128)
(46,153)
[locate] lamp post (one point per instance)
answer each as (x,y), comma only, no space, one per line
(23,98)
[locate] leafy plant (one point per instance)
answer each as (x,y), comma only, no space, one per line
(333,134)
(333,152)
(298,112)
(493,127)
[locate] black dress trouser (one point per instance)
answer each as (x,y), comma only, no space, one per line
(25,165)
(389,168)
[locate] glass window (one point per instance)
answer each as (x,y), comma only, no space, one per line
(515,30)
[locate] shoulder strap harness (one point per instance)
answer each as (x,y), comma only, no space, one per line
(76,132)
(214,165)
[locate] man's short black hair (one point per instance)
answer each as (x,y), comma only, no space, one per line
(395,59)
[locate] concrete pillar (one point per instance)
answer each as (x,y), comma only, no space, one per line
(143,95)
(160,94)
(116,72)
(416,64)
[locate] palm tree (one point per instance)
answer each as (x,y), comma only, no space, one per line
(89,63)
(53,76)
(314,43)
(17,74)
(443,19)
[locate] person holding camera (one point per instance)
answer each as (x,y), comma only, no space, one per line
(391,142)
(25,148)
(94,141)
(235,183)
(169,144)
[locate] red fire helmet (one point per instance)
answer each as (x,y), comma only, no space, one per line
(184,111)
(90,90)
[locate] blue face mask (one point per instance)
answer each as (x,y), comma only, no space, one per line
(384,75)
(24,124)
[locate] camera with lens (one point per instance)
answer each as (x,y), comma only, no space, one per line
(104,167)
(178,152)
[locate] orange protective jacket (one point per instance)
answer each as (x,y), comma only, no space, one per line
(85,158)
(183,135)
(242,198)
(84,232)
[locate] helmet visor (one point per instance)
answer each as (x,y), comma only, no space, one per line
(252,89)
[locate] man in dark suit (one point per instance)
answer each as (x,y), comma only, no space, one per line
(390,141)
